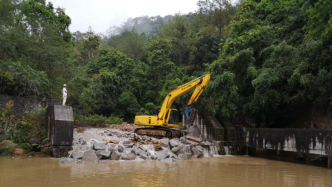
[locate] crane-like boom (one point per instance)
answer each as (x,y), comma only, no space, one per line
(162,120)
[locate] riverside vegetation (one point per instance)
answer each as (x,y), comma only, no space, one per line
(266,57)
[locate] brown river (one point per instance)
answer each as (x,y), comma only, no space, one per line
(230,171)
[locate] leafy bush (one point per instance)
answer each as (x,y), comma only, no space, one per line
(26,146)
(6,150)
(19,136)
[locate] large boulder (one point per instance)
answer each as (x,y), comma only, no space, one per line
(155,141)
(172,155)
(185,149)
(66,160)
(176,149)
(18,151)
(175,143)
(149,147)
(7,144)
(99,146)
(162,155)
(33,141)
(196,139)
(206,143)
(108,139)
(77,154)
(90,156)
(142,153)
(126,142)
(116,155)
(197,152)
(102,154)
(128,156)
(121,148)
(164,142)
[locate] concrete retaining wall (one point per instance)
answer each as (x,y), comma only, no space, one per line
(209,127)
(298,145)
(27,105)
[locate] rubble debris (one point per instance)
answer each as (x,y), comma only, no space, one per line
(118,143)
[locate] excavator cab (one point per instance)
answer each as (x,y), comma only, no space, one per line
(173,117)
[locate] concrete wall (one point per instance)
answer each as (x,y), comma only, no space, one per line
(27,105)
(209,127)
(298,145)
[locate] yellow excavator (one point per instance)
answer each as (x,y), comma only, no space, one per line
(164,123)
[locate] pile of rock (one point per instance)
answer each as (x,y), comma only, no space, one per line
(112,144)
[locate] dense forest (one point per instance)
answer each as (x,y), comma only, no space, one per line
(266,57)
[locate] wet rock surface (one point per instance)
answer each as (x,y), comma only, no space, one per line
(102,144)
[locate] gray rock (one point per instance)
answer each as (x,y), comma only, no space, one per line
(147,147)
(33,141)
(206,143)
(175,143)
(185,149)
(183,140)
(110,149)
(197,152)
(161,155)
(192,142)
(139,159)
(154,157)
(164,142)
(176,149)
(77,154)
(90,156)
(155,141)
(128,156)
(81,141)
(188,155)
(128,150)
(129,145)
(200,148)
(103,154)
(99,146)
(126,142)
(115,155)
(66,160)
(182,157)
(172,155)
(142,154)
(121,148)
(196,139)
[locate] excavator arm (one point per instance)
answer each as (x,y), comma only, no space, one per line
(199,83)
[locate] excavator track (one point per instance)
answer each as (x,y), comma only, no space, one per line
(159,132)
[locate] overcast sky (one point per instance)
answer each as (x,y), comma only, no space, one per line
(101,14)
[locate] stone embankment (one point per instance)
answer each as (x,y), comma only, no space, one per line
(95,145)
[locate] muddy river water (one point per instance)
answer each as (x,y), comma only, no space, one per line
(230,171)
